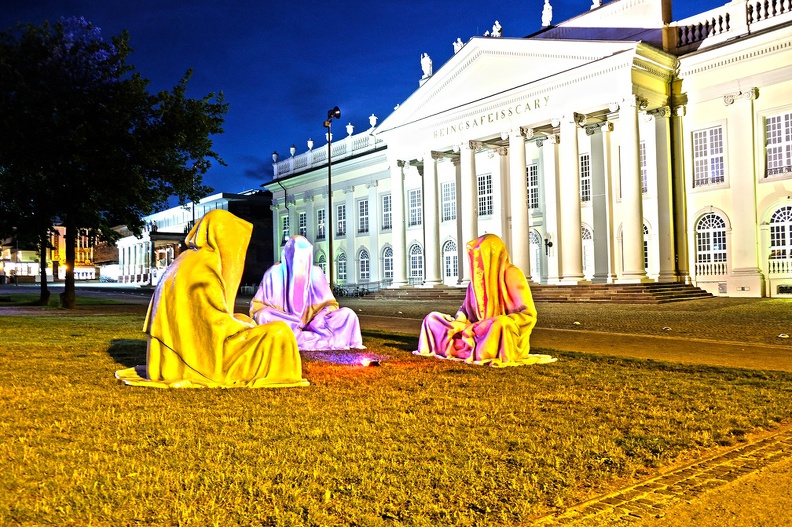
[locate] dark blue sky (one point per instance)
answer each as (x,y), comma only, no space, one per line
(282,65)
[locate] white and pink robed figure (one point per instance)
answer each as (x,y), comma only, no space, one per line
(296,292)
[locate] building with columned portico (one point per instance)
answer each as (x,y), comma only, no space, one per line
(616,147)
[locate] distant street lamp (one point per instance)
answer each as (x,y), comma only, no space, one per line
(335,113)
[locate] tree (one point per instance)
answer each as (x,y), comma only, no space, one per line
(84,140)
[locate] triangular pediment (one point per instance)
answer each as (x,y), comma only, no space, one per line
(486,67)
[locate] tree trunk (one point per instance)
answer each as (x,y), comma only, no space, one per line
(68,297)
(44,295)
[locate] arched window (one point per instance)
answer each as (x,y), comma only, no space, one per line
(341,265)
(416,264)
(321,261)
(450,259)
(363,259)
(781,234)
(387,263)
(588,252)
(710,245)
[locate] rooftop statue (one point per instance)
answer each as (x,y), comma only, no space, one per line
(426,65)
(458,45)
(493,326)
(547,14)
(195,338)
(497,30)
(296,292)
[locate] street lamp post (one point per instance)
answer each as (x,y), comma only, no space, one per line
(335,113)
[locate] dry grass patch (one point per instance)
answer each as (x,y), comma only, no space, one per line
(415,441)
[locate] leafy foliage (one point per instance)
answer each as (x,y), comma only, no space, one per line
(83,141)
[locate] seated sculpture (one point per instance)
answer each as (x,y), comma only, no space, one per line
(296,292)
(493,325)
(195,338)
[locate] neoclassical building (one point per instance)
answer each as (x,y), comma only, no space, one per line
(616,147)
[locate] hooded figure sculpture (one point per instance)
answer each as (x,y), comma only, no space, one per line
(296,291)
(494,324)
(195,338)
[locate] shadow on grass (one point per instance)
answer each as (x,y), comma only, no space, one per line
(398,341)
(128,352)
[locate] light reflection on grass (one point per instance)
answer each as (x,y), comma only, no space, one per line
(417,441)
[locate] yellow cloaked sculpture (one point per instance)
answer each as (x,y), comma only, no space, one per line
(195,338)
(493,326)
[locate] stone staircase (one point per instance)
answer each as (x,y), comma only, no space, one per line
(648,293)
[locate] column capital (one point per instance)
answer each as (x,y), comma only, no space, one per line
(661,112)
(502,150)
(372,184)
(437,155)
(400,163)
(680,110)
(350,188)
(604,126)
(476,145)
(579,118)
(749,95)
(308,198)
(553,139)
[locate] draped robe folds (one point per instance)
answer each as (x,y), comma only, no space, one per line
(296,292)
(493,325)
(195,338)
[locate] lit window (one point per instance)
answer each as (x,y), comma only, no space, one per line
(303,224)
(415,207)
(451,259)
(449,201)
(364,266)
(387,263)
(485,195)
(585,177)
(708,167)
(416,264)
(321,261)
(778,132)
(320,224)
(363,216)
(387,212)
(781,234)
(532,180)
(644,174)
(341,266)
(284,229)
(341,220)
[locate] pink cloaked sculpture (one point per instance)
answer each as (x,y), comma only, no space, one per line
(493,326)
(296,292)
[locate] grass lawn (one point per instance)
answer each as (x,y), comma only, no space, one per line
(415,441)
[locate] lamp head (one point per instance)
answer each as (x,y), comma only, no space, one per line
(335,113)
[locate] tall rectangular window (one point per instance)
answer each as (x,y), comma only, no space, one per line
(416,213)
(532,180)
(778,138)
(341,220)
(363,216)
(284,229)
(303,224)
(642,162)
(320,224)
(448,191)
(708,165)
(585,177)
(387,212)
(485,195)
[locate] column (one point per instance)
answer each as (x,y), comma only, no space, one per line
(351,234)
(665,198)
(518,203)
(468,211)
(276,234)
(570,238)
(633,270)
(398,232)
(746,278)
(374,226)
(549,165)
(600,205)
(680,195)
(431,221)
(310,219)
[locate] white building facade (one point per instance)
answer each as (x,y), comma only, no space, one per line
(616,147)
